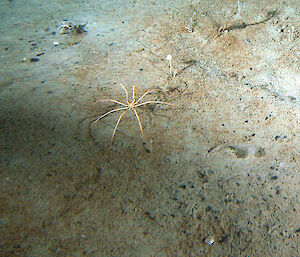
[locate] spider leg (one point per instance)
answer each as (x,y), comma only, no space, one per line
(148,92)
(133,94)
(114,110)
(152,102)
(110,100)
(139,120)
(126,92)
(117,124)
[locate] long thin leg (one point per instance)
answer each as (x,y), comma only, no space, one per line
(117,124)
(148,92)
(110,100)
(126,92)
(139,120)
(152,102)
(133,94)
(105,114)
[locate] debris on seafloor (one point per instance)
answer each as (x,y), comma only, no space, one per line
(209,240)
(66,28)
(245,150)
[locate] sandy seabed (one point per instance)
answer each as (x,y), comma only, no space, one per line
(216,173)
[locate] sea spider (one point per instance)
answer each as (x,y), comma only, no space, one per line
(128,106)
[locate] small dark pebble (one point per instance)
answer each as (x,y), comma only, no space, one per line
(182,186)
(209,208)
(224,238)
(297,230)
(277,137)
(200,174)
(34,59)
(149,216)
(274,177)
(239,202)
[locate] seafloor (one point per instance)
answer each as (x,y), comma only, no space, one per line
(216,173)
